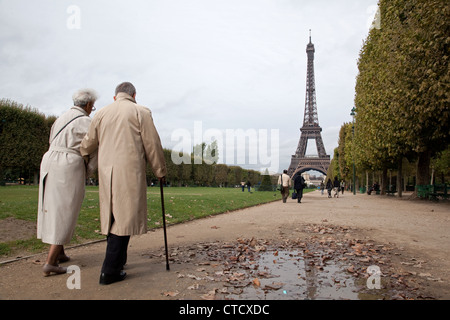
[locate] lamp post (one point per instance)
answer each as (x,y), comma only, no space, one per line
(353,144)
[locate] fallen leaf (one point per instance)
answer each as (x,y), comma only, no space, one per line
(424,274)
(194,277)
(256,282)
(367,259)
(265,274)
(273,286)
(171,293)
(260,248)
(211,295)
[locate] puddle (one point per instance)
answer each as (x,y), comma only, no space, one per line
(328,265)
(288,275)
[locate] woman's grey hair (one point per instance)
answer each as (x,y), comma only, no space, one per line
(126,87)
(82,97)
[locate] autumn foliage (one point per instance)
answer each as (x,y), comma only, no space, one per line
(402,90)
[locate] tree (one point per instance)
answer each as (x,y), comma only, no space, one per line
(402,89)
(441,165)
(221,174)
(419,33)
(24,137)
(173,170)
(266,183)
(345,152)
(333,169)
(234,176)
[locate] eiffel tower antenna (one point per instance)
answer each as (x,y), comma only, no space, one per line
(310,130)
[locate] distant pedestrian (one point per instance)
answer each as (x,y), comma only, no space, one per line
(299,185)
(342,186)
(242,185)
(249,186)
(285,182)
(322,187)
(336,187)
(329,187)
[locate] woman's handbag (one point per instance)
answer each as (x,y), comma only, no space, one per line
(294,195)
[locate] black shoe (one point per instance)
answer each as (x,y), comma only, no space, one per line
(111,278)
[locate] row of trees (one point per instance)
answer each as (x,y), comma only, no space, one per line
(201,173)
(402,95)
(24,133)
(24,138)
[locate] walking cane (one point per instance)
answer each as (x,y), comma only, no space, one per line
(164,222)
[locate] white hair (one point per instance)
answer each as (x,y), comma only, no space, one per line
(83,96)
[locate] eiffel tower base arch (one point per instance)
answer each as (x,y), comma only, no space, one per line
(300,165)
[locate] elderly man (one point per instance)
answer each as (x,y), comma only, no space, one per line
(285,183)
(126,138)
(62,179)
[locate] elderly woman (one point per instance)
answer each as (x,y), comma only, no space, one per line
(62,179)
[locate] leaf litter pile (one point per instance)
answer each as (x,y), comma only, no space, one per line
(326,262)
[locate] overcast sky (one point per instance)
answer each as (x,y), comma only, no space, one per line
(227,64)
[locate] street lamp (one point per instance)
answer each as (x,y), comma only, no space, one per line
(353,144)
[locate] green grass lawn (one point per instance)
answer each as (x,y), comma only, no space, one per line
(181,204)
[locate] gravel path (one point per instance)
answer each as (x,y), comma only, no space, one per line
(409,238)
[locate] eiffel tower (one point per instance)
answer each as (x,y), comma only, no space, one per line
(300,162)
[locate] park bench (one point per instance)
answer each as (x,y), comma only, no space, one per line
(438,191)
(391,190)
(433,192)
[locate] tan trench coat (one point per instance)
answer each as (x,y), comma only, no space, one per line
(126,138)
(62,179)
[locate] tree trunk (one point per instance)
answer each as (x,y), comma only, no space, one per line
(367,180)
(384,181)
(36,178)
(423,169)
(2,182)
(390,180)
(399,177)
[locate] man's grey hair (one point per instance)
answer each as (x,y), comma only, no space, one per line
(82,97)
(126,87)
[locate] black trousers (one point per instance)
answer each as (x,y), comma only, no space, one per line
(299,195)
(116,254)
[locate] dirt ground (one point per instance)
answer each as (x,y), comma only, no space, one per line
(319,249)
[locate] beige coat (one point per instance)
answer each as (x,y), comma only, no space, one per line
(126,139)
(62,179)
(286,180)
